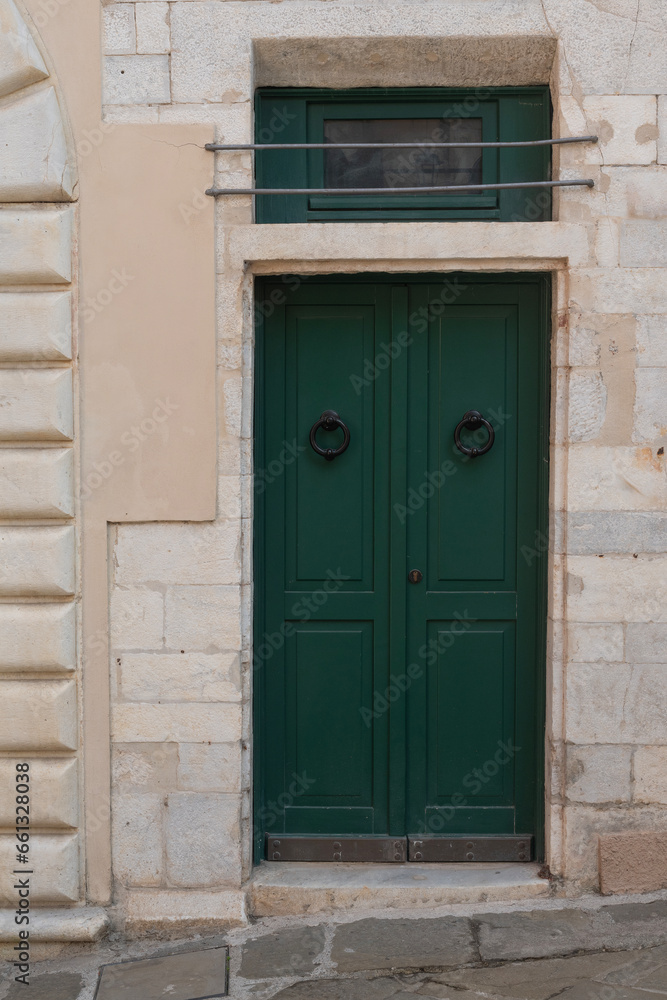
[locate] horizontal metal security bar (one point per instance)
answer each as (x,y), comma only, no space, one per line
(449,189)
(215,147)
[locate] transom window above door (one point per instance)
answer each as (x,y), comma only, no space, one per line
(400,124)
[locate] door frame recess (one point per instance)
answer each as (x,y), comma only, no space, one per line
(401,849)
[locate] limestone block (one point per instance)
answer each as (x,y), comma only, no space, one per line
(36,637)
(650,771)
(153,27)
(662,126)
(20,61)
(619,290)
(588,402)
(136,80)
(633,862)
(36,405)
(34,162)
(646,643)
(650,417)
(598,774)
(36,326)
(80,923)
(229,496)
(617,588)
(651,341)
(204,767)
(36,482)
(584,824)
(136,618)
(203,618)
(643,243)
(171,908)
(633,192)
(593,643)
(616,703)
(626,125)
(53,792)
(37,562)
(180,677)
(616,479)
(145,767)
(176,723)
(55,864)
(38,715)
(205,851)
(232,395)
(118,29)
(177,553)
(137,838)
(604,532)
(35,246)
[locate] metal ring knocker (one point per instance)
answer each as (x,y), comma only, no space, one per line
(471,421)
(329,421)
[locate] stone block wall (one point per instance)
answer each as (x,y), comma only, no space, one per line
(186,587)
(39,676)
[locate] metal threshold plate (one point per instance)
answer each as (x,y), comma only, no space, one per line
(470,849)
(361,849)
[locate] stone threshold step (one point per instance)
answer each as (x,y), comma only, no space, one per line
(292,889)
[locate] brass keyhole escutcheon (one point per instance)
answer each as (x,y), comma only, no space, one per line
(415,576)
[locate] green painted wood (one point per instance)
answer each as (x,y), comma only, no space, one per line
(298,115)
(385,707)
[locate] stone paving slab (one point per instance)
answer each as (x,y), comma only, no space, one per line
(191,975)
(53,986)
(289,952)
(402,944)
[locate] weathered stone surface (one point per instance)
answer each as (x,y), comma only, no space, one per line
(646,643)
(616,479)
(136,80)
(136,618)
(650,771)
(634,862)
(36,482)
(651,341)
(626,125)
(643,243)
(401,944)
(34,162)
(35,246)
(212,856)
(153,34)
(650,405)
(598,774)
(177,553)
(53,986)
(53,792)
(179,677)
(561,932)
(588,401)
(20,61)
(36,405)
(174,908)
(585,823)
(38,715)
(592,643)
(37,562)
(137,838)
(55,863)
(181,976)
(619,289)
(145,767)
(611,531)
(206,767)
(342,989)
(176,723)
(617,588)
(204,618)
(118,25)
(37,637)
(36,326)
(616,703)
(291,951)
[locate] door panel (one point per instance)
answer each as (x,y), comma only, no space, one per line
(386,708)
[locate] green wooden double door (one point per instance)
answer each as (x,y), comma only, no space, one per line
(398,652)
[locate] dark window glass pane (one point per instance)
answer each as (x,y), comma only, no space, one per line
(378,168)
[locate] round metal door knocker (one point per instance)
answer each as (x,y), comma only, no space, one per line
(329,421)
(472,420)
